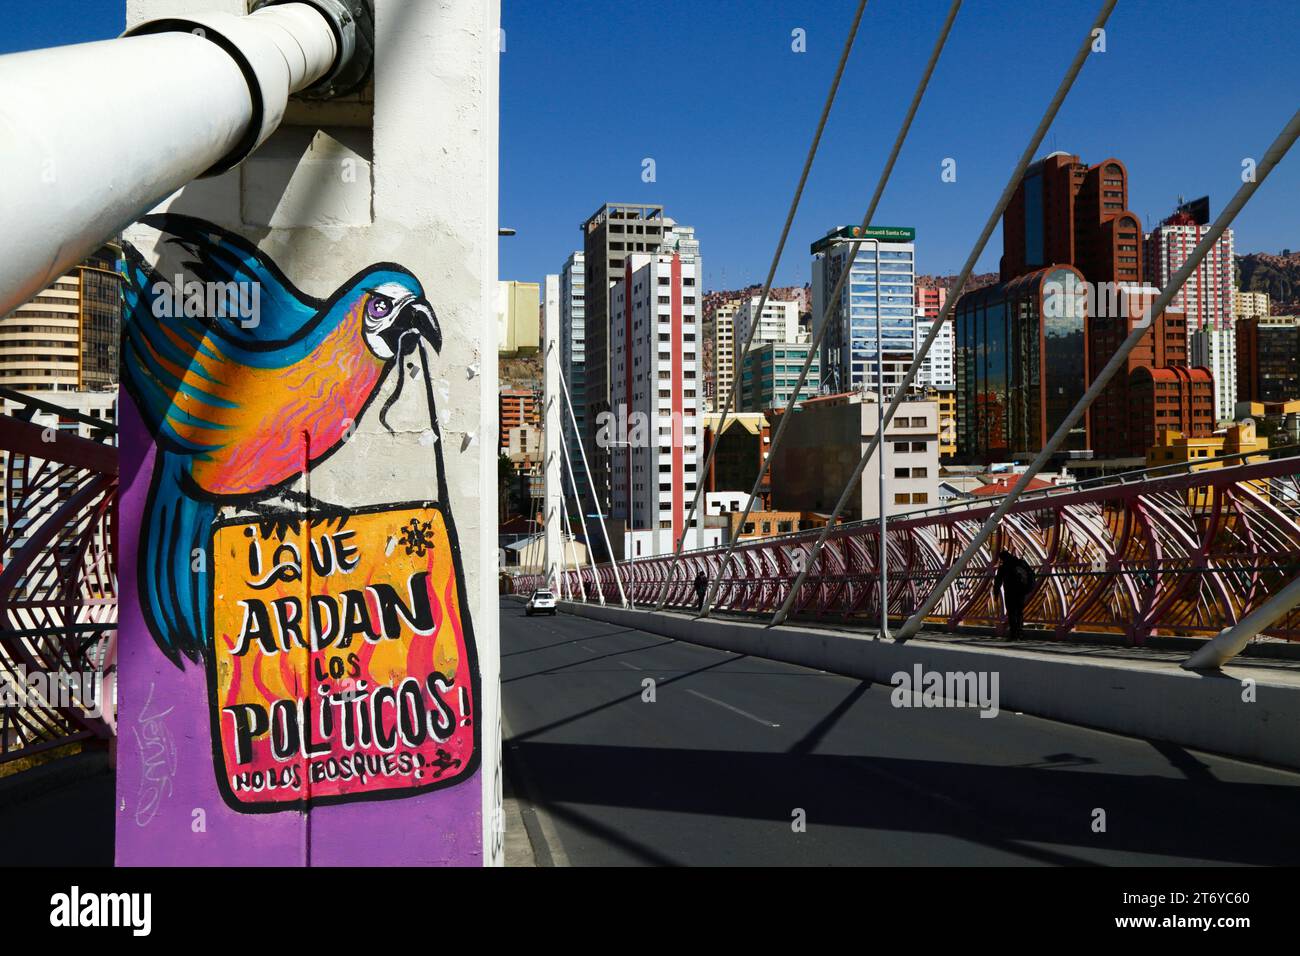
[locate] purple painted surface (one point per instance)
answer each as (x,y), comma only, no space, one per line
(165,757)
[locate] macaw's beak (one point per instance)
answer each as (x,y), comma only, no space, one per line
(417,317)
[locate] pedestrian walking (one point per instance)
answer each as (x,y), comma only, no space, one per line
(1015,579)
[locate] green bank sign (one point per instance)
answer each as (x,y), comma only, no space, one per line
(881,233)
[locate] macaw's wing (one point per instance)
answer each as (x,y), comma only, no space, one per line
(212,312)
(263,311)
(165,361)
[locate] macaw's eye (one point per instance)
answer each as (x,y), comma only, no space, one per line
(379,306)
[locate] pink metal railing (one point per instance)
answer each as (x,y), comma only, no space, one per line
(58,594)
(1182,554)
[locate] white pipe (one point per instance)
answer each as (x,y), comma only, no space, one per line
(93,135)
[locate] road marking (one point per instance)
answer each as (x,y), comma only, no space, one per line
(633,666)
(589,650)
(734,710)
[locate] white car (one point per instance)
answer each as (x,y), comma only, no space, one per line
(542,602)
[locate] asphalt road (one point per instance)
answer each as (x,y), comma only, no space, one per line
(716,769)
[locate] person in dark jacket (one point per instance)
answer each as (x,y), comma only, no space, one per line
(701,585)
(1014,579)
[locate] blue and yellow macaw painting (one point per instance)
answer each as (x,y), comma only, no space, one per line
(241,406)
(339,655)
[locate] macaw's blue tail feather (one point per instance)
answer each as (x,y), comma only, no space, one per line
(174,563)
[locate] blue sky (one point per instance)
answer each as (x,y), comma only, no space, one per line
(713,92)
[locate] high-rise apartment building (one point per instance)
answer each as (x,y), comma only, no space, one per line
(930,302)
(516,407)
(1206,298)
(936,368)
(611,234)
(1215,349)
(852,341)
(655,393)
(66,338)
(573,366)
(723,354)
(1173,399)
(778,322)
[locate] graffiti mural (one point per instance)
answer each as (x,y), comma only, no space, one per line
(335,640)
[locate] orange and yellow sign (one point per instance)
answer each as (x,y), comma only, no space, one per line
(341,669)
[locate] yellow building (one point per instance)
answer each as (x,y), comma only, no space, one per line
(724,353)
(1249,305)
(765,524)
(1175,448)
(518,317)
(947,399)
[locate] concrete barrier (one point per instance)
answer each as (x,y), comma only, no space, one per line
(1247,712)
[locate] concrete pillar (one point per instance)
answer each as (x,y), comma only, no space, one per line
(552,432)
(308,656)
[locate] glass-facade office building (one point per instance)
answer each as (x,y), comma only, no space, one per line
(771,372)
(1021,365)
(848,355)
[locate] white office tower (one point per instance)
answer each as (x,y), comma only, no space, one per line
(936,369)
(653,435)
(573,363)
(778,322)
(849,350)
(1216,349)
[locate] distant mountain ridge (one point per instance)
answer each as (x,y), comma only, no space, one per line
(1278,275)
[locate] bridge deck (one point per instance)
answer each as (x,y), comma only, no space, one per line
(712,771)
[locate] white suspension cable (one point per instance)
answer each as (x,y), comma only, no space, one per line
(600,515)
(767,284)
(591,561)
(815,346)
(1064,88)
